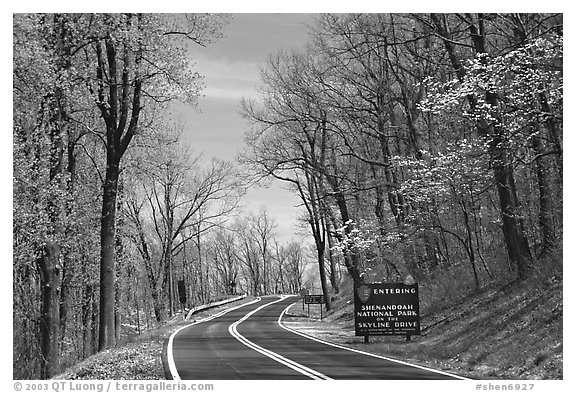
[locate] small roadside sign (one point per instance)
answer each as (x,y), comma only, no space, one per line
(314,299)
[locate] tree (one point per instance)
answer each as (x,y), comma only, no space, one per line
(415,136)
(84,86)
(130,59)
(181,198)
(484,86)
(289,140)
(295,266)
(223,248)
(123,68)
(45,158)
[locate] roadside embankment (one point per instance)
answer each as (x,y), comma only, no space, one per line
(141,357)
(511,332)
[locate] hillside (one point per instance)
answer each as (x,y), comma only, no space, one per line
(510,332)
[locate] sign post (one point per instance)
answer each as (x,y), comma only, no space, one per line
(303,293)
(386,309)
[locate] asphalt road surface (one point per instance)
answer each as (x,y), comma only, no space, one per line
(250,342)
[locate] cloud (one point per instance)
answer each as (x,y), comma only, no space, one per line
(231,66)
(225,78)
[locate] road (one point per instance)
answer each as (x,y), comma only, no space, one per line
(250,342)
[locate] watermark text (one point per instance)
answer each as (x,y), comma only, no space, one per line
(111,386)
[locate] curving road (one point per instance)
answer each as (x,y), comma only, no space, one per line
(250,342)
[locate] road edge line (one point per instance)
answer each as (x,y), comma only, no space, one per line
(169,352)
(359,351)
(232,329)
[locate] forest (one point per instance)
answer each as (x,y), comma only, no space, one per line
(427,145)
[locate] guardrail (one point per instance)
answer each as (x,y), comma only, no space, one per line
(203,307)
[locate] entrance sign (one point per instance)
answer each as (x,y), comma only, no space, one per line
(386,309)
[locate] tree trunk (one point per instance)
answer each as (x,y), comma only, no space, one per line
(323,281)
(50,310)
(168,275)
(512,222)
(546,212)
(553,134)
(67,272)
(117,325)
(350,257)
(156,303)
(94,325)
(468,243)
(152,277)
(333,267)
(86,321)
(106,338)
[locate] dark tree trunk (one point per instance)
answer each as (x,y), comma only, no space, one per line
(107,338)
(156,304)
(318,227)
(94,324)
(64,297)
(86,320)
(49,263)
(350,257)
(323,280)
(50,310)
(168,279)
(67,268)
(156,298)
(546,211)
(512,222)
(121,116)
(468,243)
(333,267)
(554,134)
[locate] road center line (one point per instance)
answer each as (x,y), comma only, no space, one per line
(272,355)
(169,352)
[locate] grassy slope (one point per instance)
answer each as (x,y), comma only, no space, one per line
(140,359)
(513,332)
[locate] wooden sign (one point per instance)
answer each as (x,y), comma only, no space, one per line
(386,309)
(314,299)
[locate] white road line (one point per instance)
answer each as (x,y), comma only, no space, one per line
(169,352)
(272,355)
(356,350)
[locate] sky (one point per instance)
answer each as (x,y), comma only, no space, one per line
(230,68)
